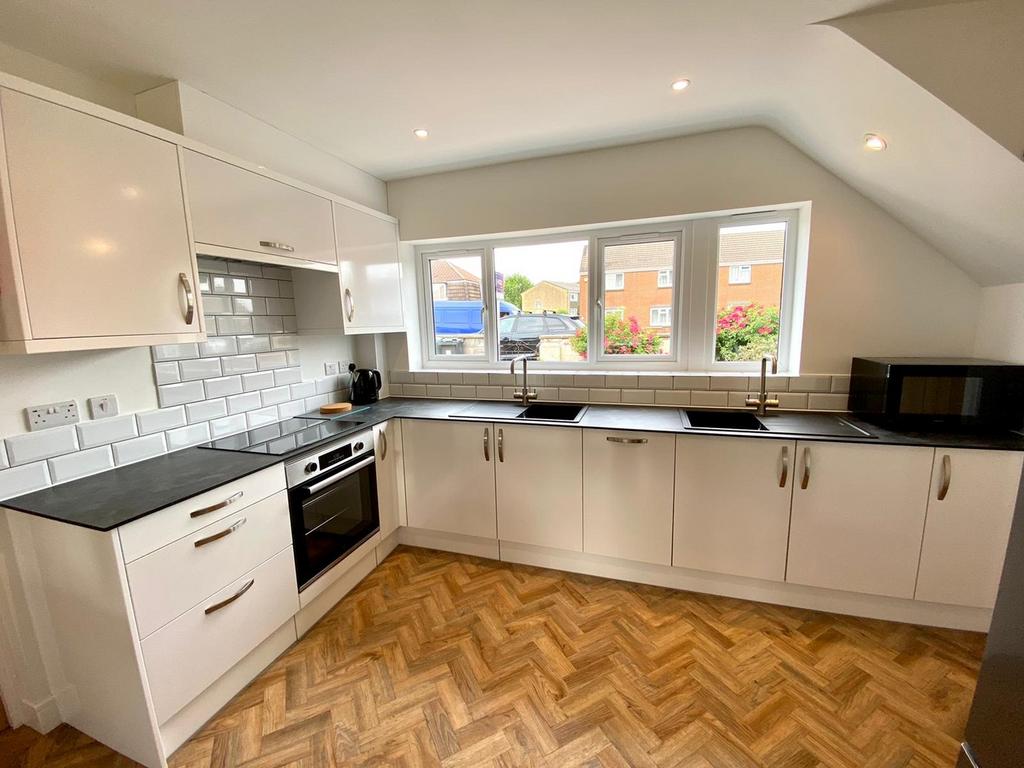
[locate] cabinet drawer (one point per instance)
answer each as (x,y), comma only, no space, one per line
(186,656)
(154,531)
(235,208)
(168,582)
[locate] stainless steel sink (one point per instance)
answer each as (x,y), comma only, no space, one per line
(723,420)
(505,411)
(553,412)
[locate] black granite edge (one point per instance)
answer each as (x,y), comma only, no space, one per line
(120,496)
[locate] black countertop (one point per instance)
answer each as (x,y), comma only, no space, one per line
(119,496)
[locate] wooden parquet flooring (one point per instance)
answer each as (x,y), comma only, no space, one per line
(444,660)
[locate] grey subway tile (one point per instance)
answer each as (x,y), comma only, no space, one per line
(218,346)
(247,344)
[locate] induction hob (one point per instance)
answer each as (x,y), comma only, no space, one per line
(284,437)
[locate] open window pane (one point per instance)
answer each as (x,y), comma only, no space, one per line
(538,291)
(457,305)
(638,298)
(750,265)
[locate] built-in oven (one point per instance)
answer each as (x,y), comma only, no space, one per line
(332,498)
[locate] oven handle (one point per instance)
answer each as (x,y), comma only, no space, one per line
(311,489)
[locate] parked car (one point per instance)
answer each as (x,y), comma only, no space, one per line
(454,320)
(521,334)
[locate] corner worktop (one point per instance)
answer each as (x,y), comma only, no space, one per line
(116,497)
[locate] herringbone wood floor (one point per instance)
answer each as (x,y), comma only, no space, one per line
(445,660)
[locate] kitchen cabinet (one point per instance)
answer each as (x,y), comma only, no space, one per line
(627,495)
(858,516)
(240,214)
(387,447)
(94,247)
(970,509)
(539,485)
(732,505)
(368,270)
(449,476)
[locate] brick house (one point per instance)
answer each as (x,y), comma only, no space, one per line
(750,266)
(552,296)
(638,283)
(449,282)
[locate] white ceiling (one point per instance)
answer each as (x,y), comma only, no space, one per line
(494,80)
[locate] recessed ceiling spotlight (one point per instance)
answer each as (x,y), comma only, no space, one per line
(874,142)
(680,85)
(420,133)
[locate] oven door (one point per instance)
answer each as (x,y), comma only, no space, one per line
(331,515)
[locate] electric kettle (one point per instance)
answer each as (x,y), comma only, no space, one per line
(366,383)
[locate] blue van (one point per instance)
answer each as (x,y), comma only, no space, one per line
(465,317)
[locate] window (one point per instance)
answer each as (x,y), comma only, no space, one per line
(699,294)
(661,317)
(739,274)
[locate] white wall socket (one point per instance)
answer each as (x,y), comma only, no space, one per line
(103,407)
(52,415)
(330,369)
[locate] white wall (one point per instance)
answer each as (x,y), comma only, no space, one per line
(181,108)
(873,286)
(1000,334)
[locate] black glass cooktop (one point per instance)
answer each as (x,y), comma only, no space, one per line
(284,437)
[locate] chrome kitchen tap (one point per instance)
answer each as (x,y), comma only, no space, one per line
(525,394)
(762,402)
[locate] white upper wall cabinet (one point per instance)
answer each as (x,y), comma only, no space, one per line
(240,214)
(369,271)
(94,245)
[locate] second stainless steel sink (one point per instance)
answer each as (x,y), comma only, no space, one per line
(553,412)
(724,420)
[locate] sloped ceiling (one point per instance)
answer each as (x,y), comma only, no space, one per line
(494,81)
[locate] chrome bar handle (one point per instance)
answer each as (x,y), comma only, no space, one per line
(806,479)
(487,443)
(383,445)
(784,474)
(230,600)
(218,536)
(219,505)
(277,246)
(501,445)
(190,298)
(627,440)
(350,305)
(947,475)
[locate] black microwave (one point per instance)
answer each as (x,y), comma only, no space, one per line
(922,393)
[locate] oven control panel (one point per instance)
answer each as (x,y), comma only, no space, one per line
(340,451)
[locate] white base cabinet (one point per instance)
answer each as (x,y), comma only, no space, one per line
(387,448)
(970,510)
(627,495)
(732,504)
(858,517)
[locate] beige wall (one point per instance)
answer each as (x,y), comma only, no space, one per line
(1000,333)
(873,287)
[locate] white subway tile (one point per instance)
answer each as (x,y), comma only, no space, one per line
(775,383)
(80,464)
(223,386)
(228,325)
(162,352)
(461,391)
(810,384)
(326,384)
(285,290)
(398,390)
(242,305)
(226,284)
(253,381)
(160,420)
(428,377)
(3,456)
(729,383)
(228,426)
(103,431)
(25,449)
(238,364)
(841,384)
(281,306)
(267,324)
(166,373)
(179,394)
(500,379)
(305,389)
(830,402)
(638,396)
(246,402)
(449,377)
(705,399)
(204,368)
(547,393)
(290,409)
(25,479)
(186,436)
(247,344)
(438,390)
(293,357)
(277,273)
(207,264)
(467,378)
(269,360)
(672,397)
(284,341)
(289,323)
(573,394)
(260,287)
(140,448)
(262,416)
(482,392)
(206,410)
(507,393)
(605,395)
(287,376)
(275,395)
(218,346)
(216,305)
(737,399)
(793,400)
(622,382)
(245,268)
(691,382)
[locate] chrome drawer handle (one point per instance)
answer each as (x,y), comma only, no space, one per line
(784,475)
(277,246)
(487,444)
(947,476)
(190,298)
(219,505)
(806,479)
(350,305)
(627,440)
(228,601)
(501,445)
(383,445)
(217,536)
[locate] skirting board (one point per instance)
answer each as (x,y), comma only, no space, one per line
(387,546)
(449,542)
(315,609)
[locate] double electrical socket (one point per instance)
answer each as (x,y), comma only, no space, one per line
(333,369)
(52,415)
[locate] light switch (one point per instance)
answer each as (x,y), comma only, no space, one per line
(330,369)
(103,407)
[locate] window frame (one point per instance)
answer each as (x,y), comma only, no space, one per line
(622,279)
(748,272)
(660,308)
(668,283)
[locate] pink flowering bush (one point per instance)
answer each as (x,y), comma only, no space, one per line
(746,332)
(621,337)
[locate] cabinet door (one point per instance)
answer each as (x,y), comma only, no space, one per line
(387,442)
(369,272)
(970,509)
(732,504)
(235,208)
(627,495)
(100,219)
(449,476)
(539,481)
(858,517)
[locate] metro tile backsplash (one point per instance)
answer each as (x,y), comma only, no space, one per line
(245,374)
